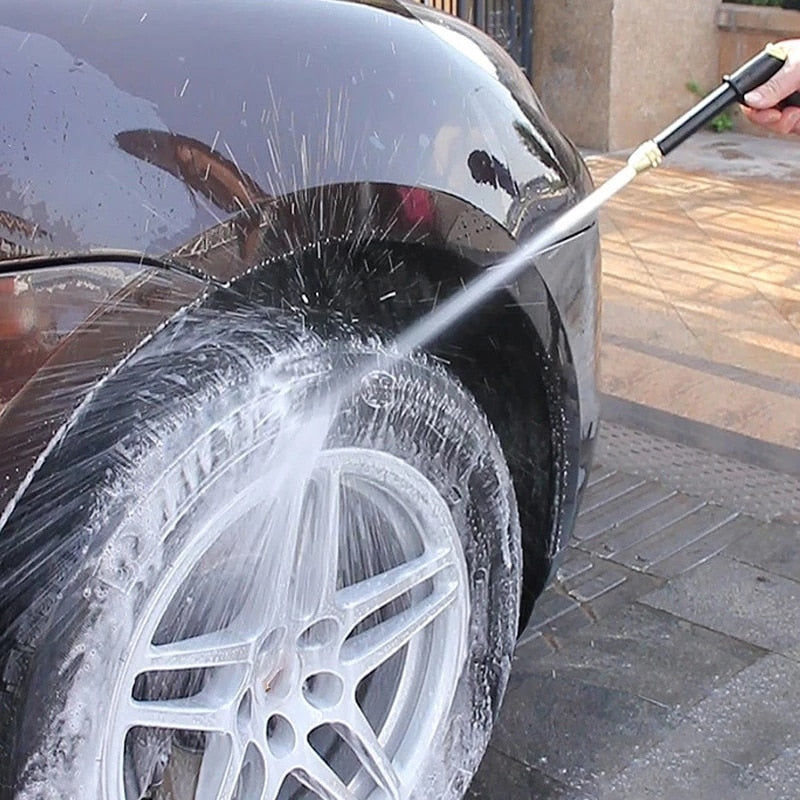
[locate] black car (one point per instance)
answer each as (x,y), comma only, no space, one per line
(248,547)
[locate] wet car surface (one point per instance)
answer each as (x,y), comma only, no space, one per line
(194,250)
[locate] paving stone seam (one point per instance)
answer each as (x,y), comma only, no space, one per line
(766,651)
(762,652)
(722,370)
(533,767)
(760,567)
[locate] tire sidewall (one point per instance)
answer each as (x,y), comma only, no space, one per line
(418,414)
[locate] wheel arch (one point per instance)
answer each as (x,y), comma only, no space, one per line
(383,255)
(512,354)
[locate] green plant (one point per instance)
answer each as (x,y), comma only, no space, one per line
(723,121)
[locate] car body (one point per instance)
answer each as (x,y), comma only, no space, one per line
(159,157)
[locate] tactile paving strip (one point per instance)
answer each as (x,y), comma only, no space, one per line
(653,510)
(743,487)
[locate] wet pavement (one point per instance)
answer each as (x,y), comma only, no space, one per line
(701,290)
(664,662)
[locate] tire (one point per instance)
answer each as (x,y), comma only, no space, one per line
(166,514)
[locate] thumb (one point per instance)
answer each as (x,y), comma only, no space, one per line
(780,85)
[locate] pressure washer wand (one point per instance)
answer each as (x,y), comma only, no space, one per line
(649,154)
(733,88)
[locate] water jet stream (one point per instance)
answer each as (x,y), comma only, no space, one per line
(433,324)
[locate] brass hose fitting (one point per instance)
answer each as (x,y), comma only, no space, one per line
(645,156)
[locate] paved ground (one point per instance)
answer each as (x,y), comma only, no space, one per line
(702,289)
(665,660)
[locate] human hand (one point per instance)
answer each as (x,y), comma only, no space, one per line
(761,102)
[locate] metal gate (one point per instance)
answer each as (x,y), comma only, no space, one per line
(509,22)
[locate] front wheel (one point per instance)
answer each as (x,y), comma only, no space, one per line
(266,598)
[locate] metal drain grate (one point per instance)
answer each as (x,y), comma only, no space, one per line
(743,487)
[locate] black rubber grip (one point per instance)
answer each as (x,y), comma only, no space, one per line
(792,100)
(696,118)
(756,71)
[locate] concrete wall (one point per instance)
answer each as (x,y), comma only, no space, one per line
(612,73)
(572,65)
(659,45)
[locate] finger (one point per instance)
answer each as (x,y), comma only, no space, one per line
(767,116)
(770,119)
(780,85)
(790,119)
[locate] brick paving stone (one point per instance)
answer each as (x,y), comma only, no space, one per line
(607,588)
(502,777)
(611,487)
(636,651)
(635,585)
(613,513)
(719,747)
(646,524)
(665,779)
(550,606)
(599,473)
(775,548)
(594,584)
(674,538)
(705,548)
(747,603)
(575,563)
(571,730)
(550,635)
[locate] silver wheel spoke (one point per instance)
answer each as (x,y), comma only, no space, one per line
(366,651)
(361,738)
(274,781)
(223,760)
(183,714)
(317,552)
(208,650)
(318,776)
(212,710)
(368,596)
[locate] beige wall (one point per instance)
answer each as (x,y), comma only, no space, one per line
(612,73)
(571,65)
(659,45)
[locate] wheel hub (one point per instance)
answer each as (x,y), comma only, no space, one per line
(355,606)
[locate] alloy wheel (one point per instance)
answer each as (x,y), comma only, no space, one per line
(306,642)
